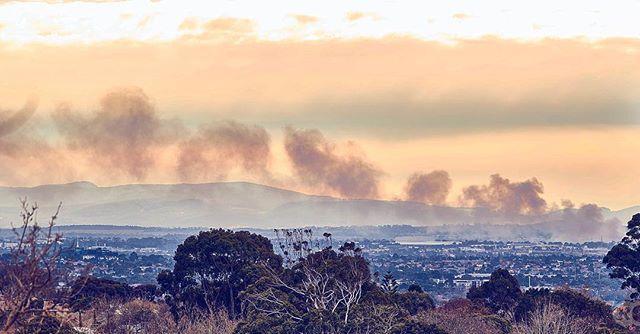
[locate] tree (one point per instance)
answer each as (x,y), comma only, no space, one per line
(296,244)
(624,258)
(552,319)
(415,288)
(413,302)
(389,283)
(371,317)
(148,292)
(319,291)
(30,273)
(501,293)
(86,289)
(579,304)
(213,267)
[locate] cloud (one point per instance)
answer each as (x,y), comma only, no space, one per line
(215,150)
(318,163)
(223,29)
(144,22)
(413,116)
(461,16)
(356,16)
(229,25)
(305,19)
(388,88)
(506,197)
(120,135)
(432,188)
(189,23)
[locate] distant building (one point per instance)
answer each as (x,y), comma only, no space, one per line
(469,280)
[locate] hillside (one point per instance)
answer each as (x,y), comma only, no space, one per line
(225,204)
(248,205)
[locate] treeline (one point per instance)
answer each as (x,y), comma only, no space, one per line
(226,282)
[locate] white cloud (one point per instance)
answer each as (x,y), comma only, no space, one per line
(87,21)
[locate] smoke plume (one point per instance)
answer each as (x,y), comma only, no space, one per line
(432,188)
(120,135)
(584,223)
(10,122)
(26,157)
(214,150)
(506,197)
(317,162)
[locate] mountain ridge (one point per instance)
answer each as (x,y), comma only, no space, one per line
(245,204)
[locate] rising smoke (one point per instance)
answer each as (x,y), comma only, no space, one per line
(215,150)
(121,134)
(506,197)
(584,223)
(126,131)
(317,163)
(432,188)
(503,201)
(26,157)
(12,121)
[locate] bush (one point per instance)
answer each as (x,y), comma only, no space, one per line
(207,323)
(552,319)
(575,303)
(136,316)
(416,327)
(145,317)
(46,325)
(461,317)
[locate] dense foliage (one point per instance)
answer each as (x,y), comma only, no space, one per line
(213,267)
(501,293)
(624,258)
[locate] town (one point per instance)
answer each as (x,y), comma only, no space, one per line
(446,269)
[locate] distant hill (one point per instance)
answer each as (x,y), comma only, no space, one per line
(248,205)
(224,204)
(623,215)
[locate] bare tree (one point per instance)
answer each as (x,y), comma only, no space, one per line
(323,280)
(551,319)
(296,244)
(29,273)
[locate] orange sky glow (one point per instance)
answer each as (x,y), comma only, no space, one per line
(404,96)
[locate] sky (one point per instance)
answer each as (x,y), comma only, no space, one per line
(417,100)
